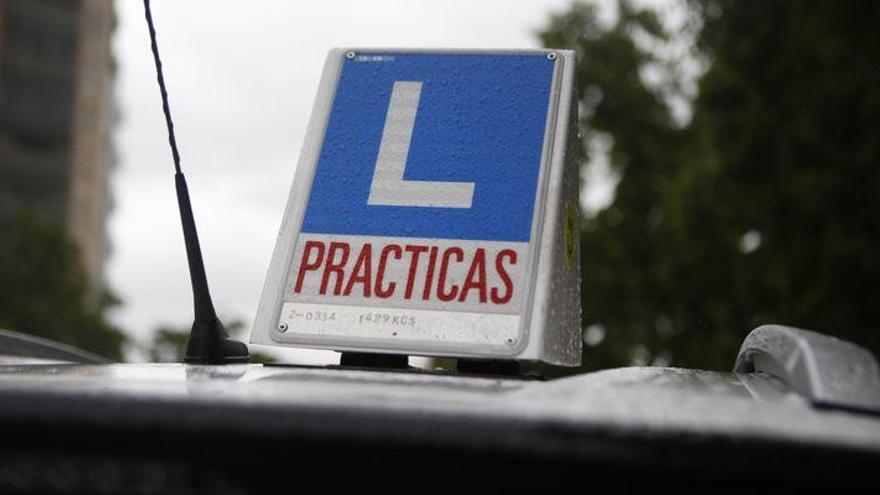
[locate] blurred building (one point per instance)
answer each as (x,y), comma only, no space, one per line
(56,116)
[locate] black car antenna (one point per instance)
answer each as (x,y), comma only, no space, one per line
(209,342)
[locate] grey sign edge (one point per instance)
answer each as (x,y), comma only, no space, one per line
(541,310)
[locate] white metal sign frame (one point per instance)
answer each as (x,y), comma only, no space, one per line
(552,202)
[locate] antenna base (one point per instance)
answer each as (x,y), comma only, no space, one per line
(209,343)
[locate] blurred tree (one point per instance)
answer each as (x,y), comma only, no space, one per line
(43,289)
(169,344)
(764,207)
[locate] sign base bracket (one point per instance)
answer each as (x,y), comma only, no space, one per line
(373,360)
(488,367)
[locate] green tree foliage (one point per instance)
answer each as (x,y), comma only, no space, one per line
(43,290)
(168,345)
(765,207)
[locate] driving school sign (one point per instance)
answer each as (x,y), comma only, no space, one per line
(429,210)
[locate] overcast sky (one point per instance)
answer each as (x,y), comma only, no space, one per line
(242,77)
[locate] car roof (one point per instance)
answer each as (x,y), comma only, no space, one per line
(644,400)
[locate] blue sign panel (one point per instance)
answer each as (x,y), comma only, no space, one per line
(433,146)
